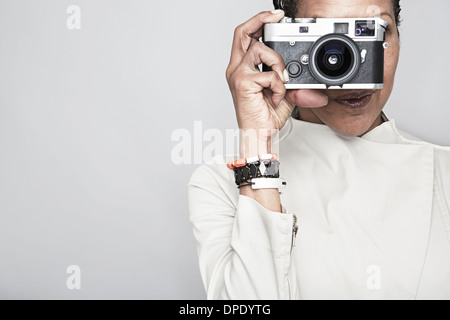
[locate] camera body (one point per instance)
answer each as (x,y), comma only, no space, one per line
(330,53)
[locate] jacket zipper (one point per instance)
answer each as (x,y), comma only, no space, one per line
(294,233)
(293,243)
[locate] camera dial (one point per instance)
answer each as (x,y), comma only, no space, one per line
(305,20)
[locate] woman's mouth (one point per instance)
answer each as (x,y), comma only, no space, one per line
(355,100)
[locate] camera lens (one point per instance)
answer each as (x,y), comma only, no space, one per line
(334,60)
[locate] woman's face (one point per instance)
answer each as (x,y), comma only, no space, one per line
(354,120)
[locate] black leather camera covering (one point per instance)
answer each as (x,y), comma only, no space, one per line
(371,71)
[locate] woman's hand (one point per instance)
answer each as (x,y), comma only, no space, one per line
(260,98)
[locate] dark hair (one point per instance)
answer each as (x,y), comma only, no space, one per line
(290,7)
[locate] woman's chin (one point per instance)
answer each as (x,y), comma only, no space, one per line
(353,125)
(349,117)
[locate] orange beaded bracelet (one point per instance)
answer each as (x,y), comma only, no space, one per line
(243,162)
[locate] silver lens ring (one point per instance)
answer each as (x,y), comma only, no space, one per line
(352,70)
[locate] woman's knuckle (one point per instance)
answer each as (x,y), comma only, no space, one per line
(258,46)
(239,31)
(233,79)
(241,84)
(272,76)
(279,58)
(228,73)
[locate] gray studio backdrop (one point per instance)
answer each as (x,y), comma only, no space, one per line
(89,103)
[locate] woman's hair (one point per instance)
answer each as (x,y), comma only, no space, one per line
(290,7)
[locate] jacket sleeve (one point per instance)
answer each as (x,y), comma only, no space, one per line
(244,250)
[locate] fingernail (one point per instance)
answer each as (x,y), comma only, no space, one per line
(323,98)
(277,11)
(286,76)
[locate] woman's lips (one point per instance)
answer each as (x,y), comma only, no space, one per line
(355,100)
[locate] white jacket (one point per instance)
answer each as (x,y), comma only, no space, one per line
(373,216)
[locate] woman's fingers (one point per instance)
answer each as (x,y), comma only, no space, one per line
(307,98)
(246,32)
(259,53)
(247,75)
(252,83)
(260,98)
(272,81)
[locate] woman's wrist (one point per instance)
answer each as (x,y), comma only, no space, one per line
(254,142)
(268,198)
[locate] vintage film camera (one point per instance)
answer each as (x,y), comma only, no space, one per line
(330,53)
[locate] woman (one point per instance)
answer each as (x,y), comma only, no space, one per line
(365,214)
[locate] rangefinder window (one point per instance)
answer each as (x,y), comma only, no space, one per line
(341,28)
(365,28)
